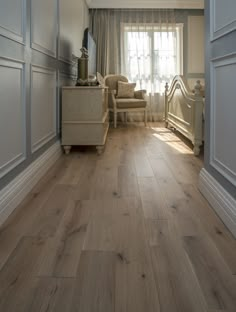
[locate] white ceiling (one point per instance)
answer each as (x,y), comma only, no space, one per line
(178,4)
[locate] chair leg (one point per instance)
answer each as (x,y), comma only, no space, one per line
(145,117)
(115,119)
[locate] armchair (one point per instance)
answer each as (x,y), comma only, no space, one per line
(123,98)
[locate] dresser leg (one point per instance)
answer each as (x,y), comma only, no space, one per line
(100,149)
(67,149)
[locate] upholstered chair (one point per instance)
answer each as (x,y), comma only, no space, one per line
(123,98)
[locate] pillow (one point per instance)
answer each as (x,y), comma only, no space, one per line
(125,89)
(100,80)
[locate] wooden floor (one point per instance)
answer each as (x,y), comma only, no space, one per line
(127,231)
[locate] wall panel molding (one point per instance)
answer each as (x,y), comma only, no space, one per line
(44,26)
(223,21)
(12,140)
(43,99)
(13,20)
(222,156)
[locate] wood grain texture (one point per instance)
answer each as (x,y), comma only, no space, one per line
(23,218)
(127,181)
(46,223)
(154,206)
(215,278)
(16,278)
(143,167)
(61,255)
(223,239)
(74,169)
(126,231)
(105,182)
(82,190)
(95,284)
(175,279)
(166,180)
(52,295)
(112,222)
(135,287)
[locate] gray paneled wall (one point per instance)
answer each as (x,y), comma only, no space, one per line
(217,179)
(37,39)
(220,147)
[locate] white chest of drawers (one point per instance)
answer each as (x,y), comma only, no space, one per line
(84,117)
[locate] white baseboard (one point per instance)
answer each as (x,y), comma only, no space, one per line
(16,190)
(221,201)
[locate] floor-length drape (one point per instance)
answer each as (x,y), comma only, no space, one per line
(144,45)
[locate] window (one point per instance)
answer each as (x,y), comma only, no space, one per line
(152,55)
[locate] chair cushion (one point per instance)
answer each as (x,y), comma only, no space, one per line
(130,103)
(125,89)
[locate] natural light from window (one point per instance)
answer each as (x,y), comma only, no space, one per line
(152,55)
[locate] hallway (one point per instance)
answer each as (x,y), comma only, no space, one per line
(127,231)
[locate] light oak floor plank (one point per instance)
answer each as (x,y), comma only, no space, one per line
(142,166)
(215,278)
(153,203)
(60,257)
(125,231)
(177,284)
(75,164)
(112,222)
(95,284)
(127,181)
(135,288)
(105,182)
(52,295)
(23,218)
(82,190)
(214,227)
(46,223)
(16,277)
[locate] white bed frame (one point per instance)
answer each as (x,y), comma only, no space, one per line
(184,110)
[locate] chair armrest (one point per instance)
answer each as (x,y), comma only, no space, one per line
(139,94)
(112,95)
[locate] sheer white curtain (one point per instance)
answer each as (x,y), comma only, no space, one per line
(145,46)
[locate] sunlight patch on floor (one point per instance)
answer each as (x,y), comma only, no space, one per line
(171,140)
(159,130)
(183,149)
